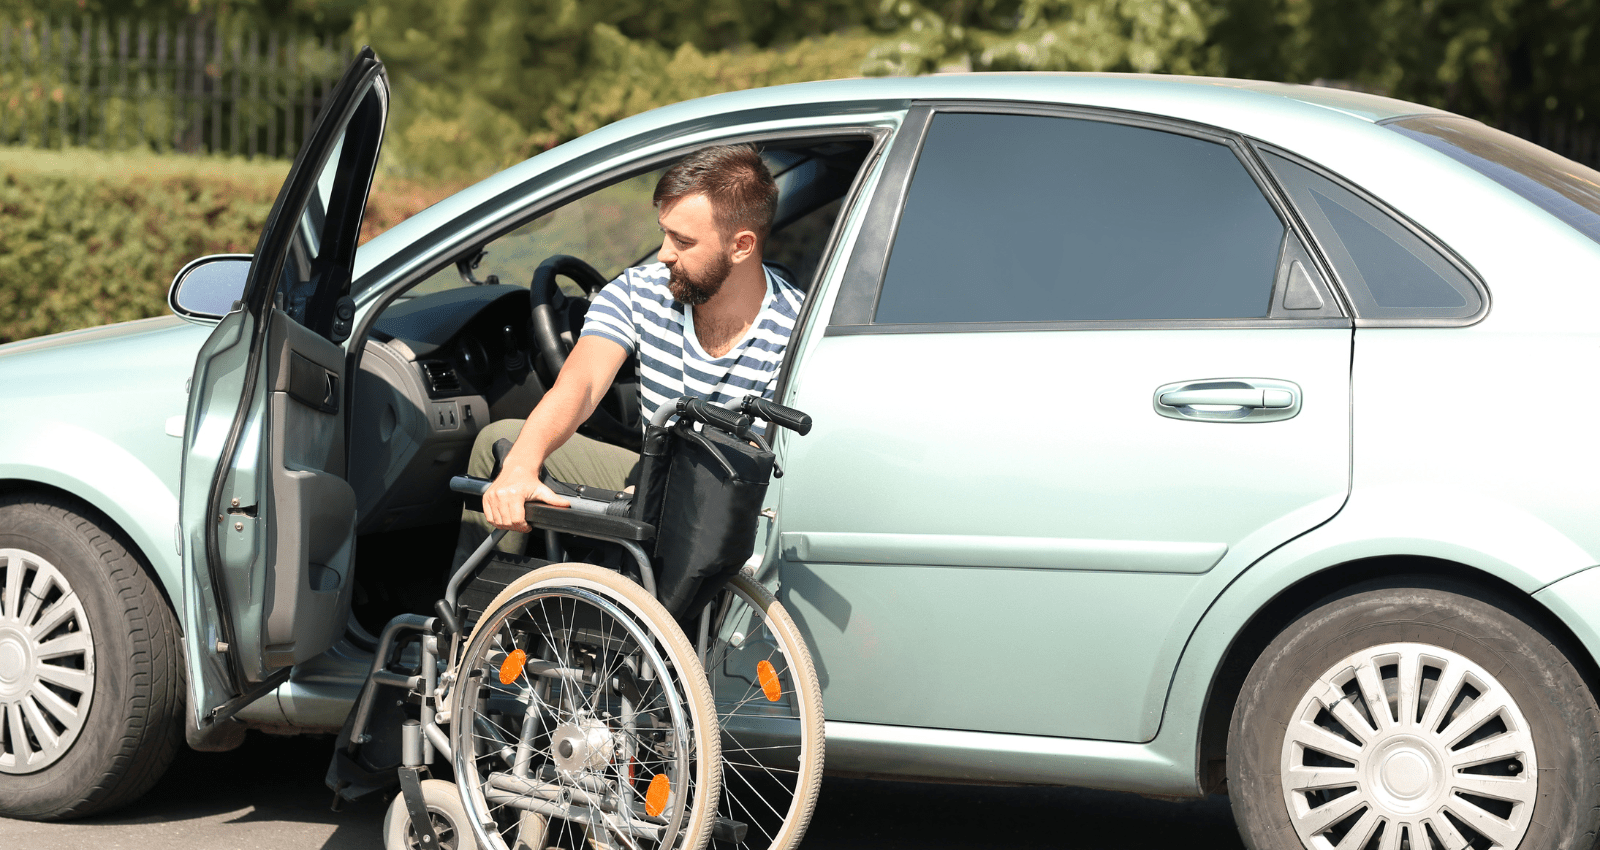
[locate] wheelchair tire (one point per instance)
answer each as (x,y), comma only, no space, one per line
(444,809)
(620,708)
(769,708)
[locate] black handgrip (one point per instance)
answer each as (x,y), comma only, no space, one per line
(700,410)
(447,617)
(777,414)
(469,485)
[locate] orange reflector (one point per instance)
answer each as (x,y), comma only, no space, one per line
(655,797)
(511,668)
(769,681)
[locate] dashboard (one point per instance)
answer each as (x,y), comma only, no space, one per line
(435,369)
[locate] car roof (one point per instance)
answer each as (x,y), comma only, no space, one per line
(1250,107)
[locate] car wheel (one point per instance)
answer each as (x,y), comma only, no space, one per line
(1414,717)
(91,687)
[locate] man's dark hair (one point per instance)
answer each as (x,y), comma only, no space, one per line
(741,190)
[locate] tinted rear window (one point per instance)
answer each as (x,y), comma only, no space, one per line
(1565,189)
(1023,218)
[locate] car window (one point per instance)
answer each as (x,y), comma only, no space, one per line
(610,229)
(1023,218)
(1389,271)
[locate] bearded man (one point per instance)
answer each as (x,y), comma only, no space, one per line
(708,320)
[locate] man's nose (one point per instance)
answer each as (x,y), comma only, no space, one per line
(667,254)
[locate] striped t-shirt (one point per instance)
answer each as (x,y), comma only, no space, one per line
(637,311)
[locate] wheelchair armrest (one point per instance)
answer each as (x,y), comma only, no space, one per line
(588,524)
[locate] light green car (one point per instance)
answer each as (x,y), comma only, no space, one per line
(1172,435)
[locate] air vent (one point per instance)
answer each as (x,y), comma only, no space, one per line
(442,378)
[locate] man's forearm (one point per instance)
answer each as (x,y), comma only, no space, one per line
(551,424)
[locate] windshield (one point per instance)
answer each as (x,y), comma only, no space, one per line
(1565,189)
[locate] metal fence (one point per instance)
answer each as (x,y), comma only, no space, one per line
(192,86)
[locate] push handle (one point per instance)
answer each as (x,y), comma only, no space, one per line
(469,485)
(777,414)
(702,411)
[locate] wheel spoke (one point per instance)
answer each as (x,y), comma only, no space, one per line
(59,708)
(1317,738)
(1515,789)
(1502,833)
(1319,778)
(1451,679)
(73,680)
(19,737)
(1446,831)
(1467,722)
(59,612)
(1352,720)
(71,643)
(1390,840)
(43,732)
(13,586)
(1409,685)
(1372,691)
(1361,832)
(1497,748)
(1317,821)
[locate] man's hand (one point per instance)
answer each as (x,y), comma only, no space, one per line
(505,502)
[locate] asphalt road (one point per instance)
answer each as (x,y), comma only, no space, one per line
(269,794)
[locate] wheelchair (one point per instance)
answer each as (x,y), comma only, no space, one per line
(569,699)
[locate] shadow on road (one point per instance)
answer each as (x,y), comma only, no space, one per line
(268,795)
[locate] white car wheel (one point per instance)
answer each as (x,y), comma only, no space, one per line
(1428,718)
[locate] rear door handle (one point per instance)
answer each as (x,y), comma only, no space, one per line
(1235,398)
(1240,400)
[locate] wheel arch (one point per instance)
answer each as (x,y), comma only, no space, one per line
(1342,579)
(167,582)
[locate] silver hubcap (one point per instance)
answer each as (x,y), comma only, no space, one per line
(1413,745)
(46,663)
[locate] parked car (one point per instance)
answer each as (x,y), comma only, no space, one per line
(1172,435)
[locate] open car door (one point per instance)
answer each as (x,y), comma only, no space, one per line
(267,516)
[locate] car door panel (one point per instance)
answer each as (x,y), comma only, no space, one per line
(1106,518)
(266,511)
(313,507)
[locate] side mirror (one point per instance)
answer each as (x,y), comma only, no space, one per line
(207,288)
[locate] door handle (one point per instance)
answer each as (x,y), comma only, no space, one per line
(1272,399)
(1241,400)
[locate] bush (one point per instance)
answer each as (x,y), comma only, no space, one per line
(91,238)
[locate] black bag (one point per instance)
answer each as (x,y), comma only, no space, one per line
(704,507)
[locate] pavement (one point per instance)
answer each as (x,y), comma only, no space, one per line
(269,795)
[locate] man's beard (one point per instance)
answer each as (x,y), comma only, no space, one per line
(694,290)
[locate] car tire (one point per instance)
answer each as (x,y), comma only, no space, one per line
(128,669)
(1428,713)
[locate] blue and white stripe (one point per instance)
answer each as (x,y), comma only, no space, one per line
(637,311)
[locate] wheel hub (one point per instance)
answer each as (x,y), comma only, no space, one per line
(1405,774)
(14,662)
(585,744)
(1408,739)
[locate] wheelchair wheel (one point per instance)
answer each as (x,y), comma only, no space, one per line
(579,699)
(769,708)
(444,810)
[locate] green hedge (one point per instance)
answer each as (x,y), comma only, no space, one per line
(89,238)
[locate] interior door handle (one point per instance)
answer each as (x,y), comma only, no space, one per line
(1270,399)
(1242,400)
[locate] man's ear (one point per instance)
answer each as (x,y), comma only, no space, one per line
(744,245)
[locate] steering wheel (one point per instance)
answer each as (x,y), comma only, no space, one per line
(557,321)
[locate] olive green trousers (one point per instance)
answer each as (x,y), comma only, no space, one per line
(580,461)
